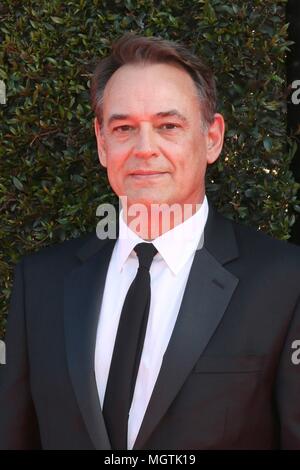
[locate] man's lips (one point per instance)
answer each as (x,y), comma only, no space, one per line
(147,172)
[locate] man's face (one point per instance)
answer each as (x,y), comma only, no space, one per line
(152,124)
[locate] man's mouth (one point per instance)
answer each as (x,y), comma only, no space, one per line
(147,173)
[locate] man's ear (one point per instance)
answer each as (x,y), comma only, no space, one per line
(215,138)
(100,143)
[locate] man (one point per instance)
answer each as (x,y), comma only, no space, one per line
(210,365)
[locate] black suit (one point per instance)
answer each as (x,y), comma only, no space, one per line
(226,382)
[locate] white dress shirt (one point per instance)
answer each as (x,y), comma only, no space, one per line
(169,274)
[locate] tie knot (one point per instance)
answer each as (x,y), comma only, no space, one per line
(145,253)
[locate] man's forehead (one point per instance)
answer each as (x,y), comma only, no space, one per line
(149,82)
(150,95)
(124,106)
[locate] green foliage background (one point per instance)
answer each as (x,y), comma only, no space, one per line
(50,178)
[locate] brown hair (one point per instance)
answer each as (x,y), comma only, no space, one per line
(133,49)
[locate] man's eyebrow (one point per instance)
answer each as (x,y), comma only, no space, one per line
(169,113)
(117,117)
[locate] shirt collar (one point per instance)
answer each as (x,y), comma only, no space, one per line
(175,246)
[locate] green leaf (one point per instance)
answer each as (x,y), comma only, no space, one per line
(209,12)
(17,183)
(57,20)
(268,144)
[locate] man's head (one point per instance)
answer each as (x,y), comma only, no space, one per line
(155,106)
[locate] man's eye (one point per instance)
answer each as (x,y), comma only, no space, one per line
(169,126)
(124,128)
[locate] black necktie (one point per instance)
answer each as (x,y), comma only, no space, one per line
(128,349)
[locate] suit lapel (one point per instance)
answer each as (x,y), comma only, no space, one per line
(207,294)
(83,291)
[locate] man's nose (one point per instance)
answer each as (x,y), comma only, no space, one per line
(145,145)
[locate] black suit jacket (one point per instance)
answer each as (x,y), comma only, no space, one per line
(227,379)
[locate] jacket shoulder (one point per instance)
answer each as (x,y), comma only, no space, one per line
(256,243)
(59,254)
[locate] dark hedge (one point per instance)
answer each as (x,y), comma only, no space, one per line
(50,178)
